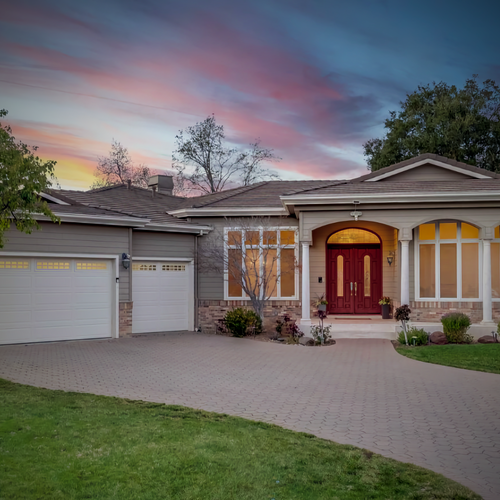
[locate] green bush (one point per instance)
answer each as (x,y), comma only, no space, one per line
(455,326)
(420,333)
(239,322)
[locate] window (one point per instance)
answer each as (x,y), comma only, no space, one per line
(14,264)
(495,265)
(265,259)
(447,258)
(143,267)
(91,266)
(353,236)
(173,267)
(49,265)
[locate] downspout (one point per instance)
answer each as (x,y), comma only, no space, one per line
(130,298)
(196,322)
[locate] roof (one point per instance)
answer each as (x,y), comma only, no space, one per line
(427,156)
(395,187)
(136,202)
(262,194)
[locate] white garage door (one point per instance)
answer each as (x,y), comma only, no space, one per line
(160,294)
(55,299)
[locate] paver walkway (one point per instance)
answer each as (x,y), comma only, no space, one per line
(359,392)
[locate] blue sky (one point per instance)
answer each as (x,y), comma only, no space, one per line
(313,80)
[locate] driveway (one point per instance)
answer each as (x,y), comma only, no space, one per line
(359,392)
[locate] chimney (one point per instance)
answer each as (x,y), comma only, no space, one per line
(162,183)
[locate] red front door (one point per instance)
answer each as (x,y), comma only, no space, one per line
(354,279)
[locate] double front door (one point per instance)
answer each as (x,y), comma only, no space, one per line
(354,279)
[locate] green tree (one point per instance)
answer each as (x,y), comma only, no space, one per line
(461,124)
(23,176)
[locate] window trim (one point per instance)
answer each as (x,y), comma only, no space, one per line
(437,245)
(278,246)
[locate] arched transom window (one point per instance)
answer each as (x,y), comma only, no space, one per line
(447,261)
(352,236)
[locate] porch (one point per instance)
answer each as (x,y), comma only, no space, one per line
(443,273)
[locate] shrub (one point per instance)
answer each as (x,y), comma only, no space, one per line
(420,333)
(287,327)
(239,321)
(317,335)
(455,326)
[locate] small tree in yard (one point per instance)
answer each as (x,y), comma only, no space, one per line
(23,176)
(248,260)
(403,314)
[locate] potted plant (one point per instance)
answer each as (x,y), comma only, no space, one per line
(321,303)
(385,302)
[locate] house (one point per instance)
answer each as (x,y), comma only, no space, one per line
(424,232)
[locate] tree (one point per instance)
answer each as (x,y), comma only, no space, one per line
(23,176)
(461,124)
(203,163)
(250,258)
(118,168)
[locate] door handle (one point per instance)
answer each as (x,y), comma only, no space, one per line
(356,288)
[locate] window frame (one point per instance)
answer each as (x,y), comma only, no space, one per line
(278,247)
(437,241)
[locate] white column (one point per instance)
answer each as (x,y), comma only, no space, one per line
(405,272)
(487,304)
(306,293)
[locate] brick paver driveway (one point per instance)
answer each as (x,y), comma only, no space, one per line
(359,392)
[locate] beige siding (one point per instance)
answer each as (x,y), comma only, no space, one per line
(317,256)
(211,284)
(427,172)
(156,244)
(76,239)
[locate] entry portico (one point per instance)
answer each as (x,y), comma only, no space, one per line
(434,244)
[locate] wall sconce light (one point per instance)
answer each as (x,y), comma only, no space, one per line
(390,258)
(125,260)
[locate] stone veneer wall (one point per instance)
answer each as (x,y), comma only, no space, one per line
(209,311)
(125,319)
(432,311)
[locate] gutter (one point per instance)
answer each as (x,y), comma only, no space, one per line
(228,212)
(178,228)
(95,219)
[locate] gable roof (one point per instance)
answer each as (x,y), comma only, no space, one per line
(427,158)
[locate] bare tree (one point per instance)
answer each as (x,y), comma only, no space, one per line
(118,168)
(255,255)
(203,163)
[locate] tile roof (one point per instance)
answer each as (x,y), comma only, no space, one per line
(427,156)
(135,202)
(78,209)
(467,185)
(262,194)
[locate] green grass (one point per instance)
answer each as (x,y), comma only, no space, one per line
(62,445)
(480,357)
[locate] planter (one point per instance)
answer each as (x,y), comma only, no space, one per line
(322,307)
(386,311)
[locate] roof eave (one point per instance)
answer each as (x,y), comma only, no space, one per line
(177,228)
(337,199)
(105,220)
(229,212)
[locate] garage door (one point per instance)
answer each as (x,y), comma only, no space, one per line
(55,299)
(160,295)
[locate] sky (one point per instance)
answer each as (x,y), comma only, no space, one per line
(313,80)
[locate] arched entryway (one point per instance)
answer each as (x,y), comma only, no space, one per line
(354,272)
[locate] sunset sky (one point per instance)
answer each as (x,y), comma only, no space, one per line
(313,79)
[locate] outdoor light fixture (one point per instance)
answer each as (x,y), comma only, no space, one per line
(125,260)
(390,258)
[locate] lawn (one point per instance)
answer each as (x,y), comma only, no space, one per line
(62,445)
(480,357)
